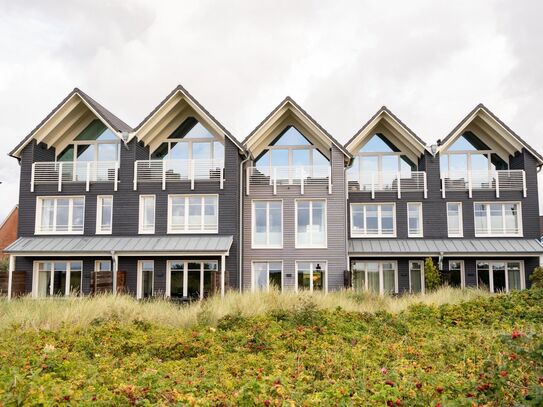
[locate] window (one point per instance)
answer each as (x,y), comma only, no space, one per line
(376,276)
(454,219)
(497,219)
(147,214)
(145,279)
(102,265)
(373,220)
(267,224)
(454,277)
(267,275)
(57,278)
(104,214)
(311,276)
(416,276)
(311,224)
(414,219)
(497,276)
(191,279)
(193,214)
(60,215)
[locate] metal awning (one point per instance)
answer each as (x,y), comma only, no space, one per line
(121,245)
(446,247)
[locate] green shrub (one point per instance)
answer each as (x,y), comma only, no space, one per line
(537,277)
(432,279)
(4,265)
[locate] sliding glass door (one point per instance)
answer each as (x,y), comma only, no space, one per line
(57,278)
(496,276)
(191,279)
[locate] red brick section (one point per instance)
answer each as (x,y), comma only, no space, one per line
(8,230)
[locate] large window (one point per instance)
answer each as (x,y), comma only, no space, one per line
(414,219)
(267,275)
(454,277)
(102,266)
(191,279)
(311,276)
(373,220)
(416,276)
(497,276)
(145,279)
(57,278)
(193,214)
(147,214)
(311,224)
(497,219)
(376,276)
(267,224)
(104,214)
(60,215)
(454,219)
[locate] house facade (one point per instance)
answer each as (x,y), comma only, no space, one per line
(178,207)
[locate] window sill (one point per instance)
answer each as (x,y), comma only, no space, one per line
(193,232)
(267,247)
(58,233)
(353,236)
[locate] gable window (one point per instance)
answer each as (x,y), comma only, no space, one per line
(311,224)
(311,276)
(104,214)
(57,278)
(497,219)
(267,224)
(267,275)
(60,215)
(147,214)
(497,276)
(145,278)
(454,277)
(414,219)
(373,220)
(416,276)
(377,276)
(454,219)
(193,214)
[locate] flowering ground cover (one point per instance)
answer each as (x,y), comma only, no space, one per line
(485,351)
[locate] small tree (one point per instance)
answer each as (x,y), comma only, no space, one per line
(537,277)
(3,265)
(432,279)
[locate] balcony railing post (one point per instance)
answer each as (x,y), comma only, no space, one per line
(330,180)
(443,187)
(398,176)
(164,174)
(191,174)
(425,183)
(32,177)
(372,185)
(116,180)
(60,177)
(470,186)
(497,178)
(302,180)
(87,180)
(221,173)
(275,180)
(135,175)
(524,191)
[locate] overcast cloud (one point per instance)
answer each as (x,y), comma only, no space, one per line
(429,61)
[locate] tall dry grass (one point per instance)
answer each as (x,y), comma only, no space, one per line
(53,312)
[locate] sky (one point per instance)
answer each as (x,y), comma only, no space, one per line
(429,61)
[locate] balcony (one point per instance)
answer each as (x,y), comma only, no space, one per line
(302,175)
(166,171)
(388,181)
(502,180)
(71,172)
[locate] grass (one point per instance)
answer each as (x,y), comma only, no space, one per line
(53,313)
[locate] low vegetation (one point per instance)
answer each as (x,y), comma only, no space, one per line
(450,347)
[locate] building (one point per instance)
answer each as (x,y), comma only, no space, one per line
(8,230)
(178,207)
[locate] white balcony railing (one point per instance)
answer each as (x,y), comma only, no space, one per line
(165,171)
(501,180)
(302,175)
(67,172)
(388,181)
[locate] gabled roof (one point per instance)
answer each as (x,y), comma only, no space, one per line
(396,126)
(481,111)
(290,104)
(196,106)
(9,215)
(113,122)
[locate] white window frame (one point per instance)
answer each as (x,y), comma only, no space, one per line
(491,273)
(38,217)
(253,224)
(379,220)
(489,218)
(311,269)
(422,285)
(267,262)
(139,278)
(325,214)
(460,219)
(99,205)
(381,276)
(168,293)
(35,276)
(462,272)
(421,220)
(141,229)
(186,198)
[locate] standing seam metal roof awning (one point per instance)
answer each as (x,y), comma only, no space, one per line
(104,245)
(409,247)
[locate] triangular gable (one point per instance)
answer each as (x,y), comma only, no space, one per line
(169,114)
(71,116)
(384,121)
(500,137)
(288,112)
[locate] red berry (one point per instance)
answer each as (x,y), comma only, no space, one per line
(398,402)
(418,385)
(439,389)
(470,395)
(389,383)
(516,334)
(390,403)
(503,373)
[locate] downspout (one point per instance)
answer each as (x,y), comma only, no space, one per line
(240,249)
(346,211)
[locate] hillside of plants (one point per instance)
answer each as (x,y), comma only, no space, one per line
(448,348)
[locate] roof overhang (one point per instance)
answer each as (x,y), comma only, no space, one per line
(289,113)
(384,121)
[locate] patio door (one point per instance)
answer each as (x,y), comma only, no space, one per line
(191,279)
(498,276)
